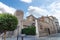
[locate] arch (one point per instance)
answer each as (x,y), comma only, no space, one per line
(48,30)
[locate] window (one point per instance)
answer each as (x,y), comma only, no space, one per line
(24,25)
(41,27)
(33,24)
(33,19)
(56,22)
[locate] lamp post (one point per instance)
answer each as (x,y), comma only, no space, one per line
(17,37)
(17,32)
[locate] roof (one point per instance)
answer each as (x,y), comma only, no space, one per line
(30,16)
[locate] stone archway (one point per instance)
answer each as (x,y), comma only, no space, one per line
(47,30)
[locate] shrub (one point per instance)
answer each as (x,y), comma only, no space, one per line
(31,30)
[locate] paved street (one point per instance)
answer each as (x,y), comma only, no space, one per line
(51,37)
(55,35)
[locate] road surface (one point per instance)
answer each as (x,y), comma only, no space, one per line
(51,37)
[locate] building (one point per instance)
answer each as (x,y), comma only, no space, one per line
(30,20)
(19,14)
(45,25)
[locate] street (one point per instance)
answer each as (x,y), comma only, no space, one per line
(55,35)
(51,37)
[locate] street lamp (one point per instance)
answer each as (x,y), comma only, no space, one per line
(17,37)
(17,32)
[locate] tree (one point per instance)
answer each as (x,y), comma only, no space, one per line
(31,30)
(8,22)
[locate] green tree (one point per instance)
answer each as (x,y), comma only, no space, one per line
(31,30)
(8,22)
